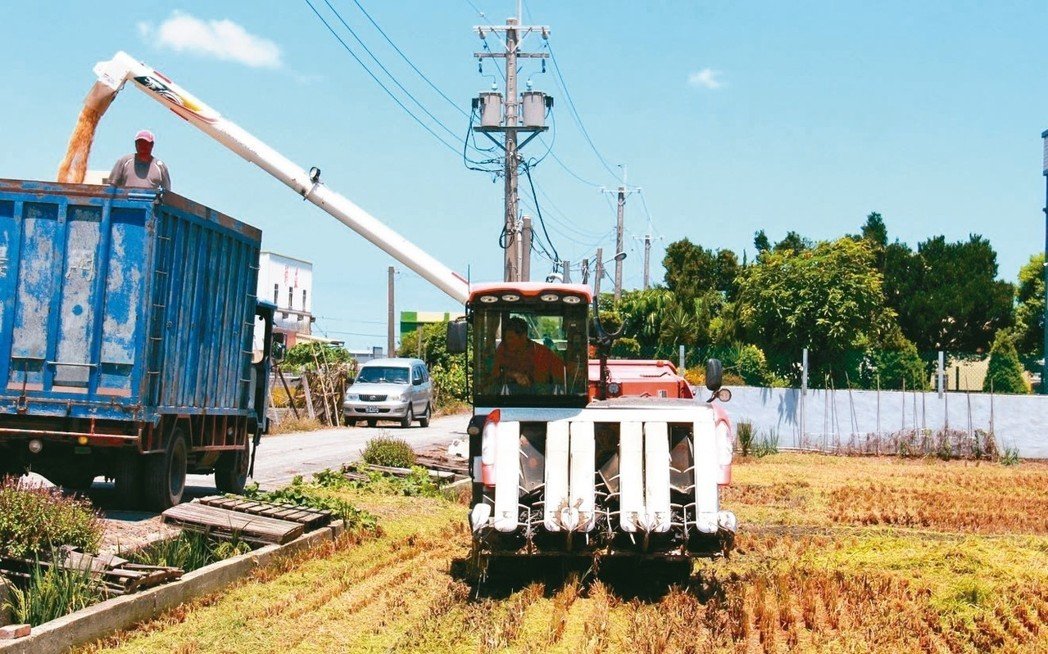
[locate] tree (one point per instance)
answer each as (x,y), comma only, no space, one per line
(874,231)
(692,270)
(306,355)
(761,242)
(947,295)
(793,242)
(1029,309)
(823,298)
(1004,374)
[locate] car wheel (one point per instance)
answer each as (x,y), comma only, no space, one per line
(372,422)
(408,418)
(423,421)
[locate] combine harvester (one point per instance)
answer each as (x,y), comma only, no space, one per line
(613,459)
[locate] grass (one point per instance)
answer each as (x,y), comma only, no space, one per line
(388,451)
(291,424)
(51,592)
(834,554)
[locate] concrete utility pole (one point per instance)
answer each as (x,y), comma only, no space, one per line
(584,270)
(1044,352)
(620,253)
(598,272)
(512,35)
(390,320)
(647,261)
(525,250)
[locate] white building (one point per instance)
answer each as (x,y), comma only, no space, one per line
(288,283)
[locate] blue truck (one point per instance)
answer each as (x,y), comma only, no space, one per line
(127,322)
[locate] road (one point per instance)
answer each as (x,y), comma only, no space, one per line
(281,457)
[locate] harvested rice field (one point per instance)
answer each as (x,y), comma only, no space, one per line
(834,554)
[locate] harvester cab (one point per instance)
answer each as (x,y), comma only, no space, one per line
(560,466)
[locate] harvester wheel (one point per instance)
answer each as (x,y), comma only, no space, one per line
(231,470)
(408,418)
(165,475)
(423,421)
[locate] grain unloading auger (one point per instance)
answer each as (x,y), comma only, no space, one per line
(608,458)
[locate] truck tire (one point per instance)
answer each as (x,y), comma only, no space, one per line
(231,470)
(79,480)
(408,418)
(164,475)
(128,476)
(423,421)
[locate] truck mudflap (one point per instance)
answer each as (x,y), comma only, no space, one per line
(645,486)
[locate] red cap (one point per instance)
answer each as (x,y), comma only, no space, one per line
(144,135)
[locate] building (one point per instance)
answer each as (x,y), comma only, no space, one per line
(287,282)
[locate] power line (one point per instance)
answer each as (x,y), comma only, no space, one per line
(538,210)
(379,82)
(386,70)
(409,62)
(575,113)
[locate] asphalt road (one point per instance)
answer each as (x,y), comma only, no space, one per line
(281,457)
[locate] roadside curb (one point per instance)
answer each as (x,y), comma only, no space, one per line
(114,614)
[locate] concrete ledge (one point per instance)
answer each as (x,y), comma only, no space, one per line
(118,613)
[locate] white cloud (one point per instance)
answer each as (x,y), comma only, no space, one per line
(221,39)
(707,78)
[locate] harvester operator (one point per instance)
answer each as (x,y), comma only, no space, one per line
(523,362)
(141,169)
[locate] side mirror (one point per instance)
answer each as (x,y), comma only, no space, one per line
(278,351)
(456,342)
(417,381)
(714,375)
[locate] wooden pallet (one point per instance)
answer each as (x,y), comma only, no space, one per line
(233,524)
(311,518)
(114,575)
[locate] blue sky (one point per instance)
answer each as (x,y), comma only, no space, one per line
(731,116)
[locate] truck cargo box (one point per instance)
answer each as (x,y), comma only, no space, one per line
(123,304)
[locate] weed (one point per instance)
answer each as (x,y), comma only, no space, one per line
(416,483)
(314,496)
(291,425)
(1010,457)
(51,592)
(34,520)
(744,432)
(191,550)
(769,444)
(392,452)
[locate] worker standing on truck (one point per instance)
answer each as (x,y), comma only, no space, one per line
(141,169)
(523,362)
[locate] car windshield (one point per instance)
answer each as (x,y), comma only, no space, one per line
(383,375)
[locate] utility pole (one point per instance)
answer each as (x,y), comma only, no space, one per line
(584,271)
(1044,352)
(389,315)
(647,261)
(620,253)
(598,272)
(521,115)
(525,250)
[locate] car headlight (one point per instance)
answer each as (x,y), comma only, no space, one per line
(352,397)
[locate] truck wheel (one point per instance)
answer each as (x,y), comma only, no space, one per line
(164,478)
(408,418)
(424,420)
(128,475)
(79,480)
(231,470)
(372,422)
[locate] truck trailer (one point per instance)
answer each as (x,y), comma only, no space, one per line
(126,339)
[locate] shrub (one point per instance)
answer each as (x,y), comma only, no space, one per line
(306,355)
(1004,373)
(34,520)
(769,444)
(391,452)
(752,366)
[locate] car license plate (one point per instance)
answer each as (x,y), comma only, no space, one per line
(371,409)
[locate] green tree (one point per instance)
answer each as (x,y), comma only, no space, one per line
(761,242)
(692,270)
(947,295)
(891,361)
(1004,373)
(823,298)
(874,230)
(1029,309)
(793,242)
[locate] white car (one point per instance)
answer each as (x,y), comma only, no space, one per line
(390,389)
